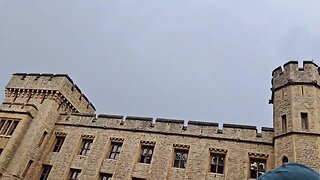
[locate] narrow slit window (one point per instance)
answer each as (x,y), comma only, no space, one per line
(27,168)
(42,138)
(284,123)
(304,121)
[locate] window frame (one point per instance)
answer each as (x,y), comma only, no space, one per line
(144,157)
(284,123)
(8,126)
(86,145)
(45,171)
(304,120)
(57,147)
(182,163)
(102,176)
(114,154)
(258,170)
(77,173)
(216,169)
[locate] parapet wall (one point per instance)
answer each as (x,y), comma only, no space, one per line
(240,133)
(48,82)
(292,73)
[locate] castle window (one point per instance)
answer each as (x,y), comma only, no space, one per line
(146,154)
(45,171)
(1,151)
(115,150)
(42,138)
(217,163)
(284,123)
(285,159)
(58,143)
(7,127)
(105,176)
(257,168)
(86,146)
(304,120)
(181,157)
(134,178)
(74,174)
(26,169)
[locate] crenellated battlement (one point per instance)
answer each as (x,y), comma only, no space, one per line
(53,86)
(200,129)
(291,73)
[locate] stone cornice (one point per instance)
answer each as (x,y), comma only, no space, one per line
(42,94)
(258,155)
(216,150)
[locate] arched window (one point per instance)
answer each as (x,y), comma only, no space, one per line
(285,159)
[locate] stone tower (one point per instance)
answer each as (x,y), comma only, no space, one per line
(31,107)
(296,113)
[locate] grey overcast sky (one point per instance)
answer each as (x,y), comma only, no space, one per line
(207,60)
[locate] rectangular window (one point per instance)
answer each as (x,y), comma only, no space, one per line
(105,176)
(12,128)
(2,123)
(134,178)
(284,123)
(115,150)
(257,168)
(217,163)
(45,171)
(42,138)
(7,127)
(26,169)
(304,120)
(58,143)
(74,174)
(146,154)
(181,157)
(1,151)
(86,146)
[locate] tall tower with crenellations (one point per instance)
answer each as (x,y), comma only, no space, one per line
(32,106)
(296,113)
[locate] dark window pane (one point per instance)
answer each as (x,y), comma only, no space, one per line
(12,128)
(146,155)
(220,170)
(105,176)
(5,127)
(58,144)
(86,146)
(217,163)
(45,172)
(253,174)
(74,174)
(257,167)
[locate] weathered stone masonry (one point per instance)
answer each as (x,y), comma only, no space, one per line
(58,134)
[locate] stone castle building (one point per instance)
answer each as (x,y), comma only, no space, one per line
(49,130)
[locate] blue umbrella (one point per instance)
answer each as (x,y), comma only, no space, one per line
(291,171)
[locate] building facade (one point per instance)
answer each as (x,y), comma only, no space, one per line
(49,130)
